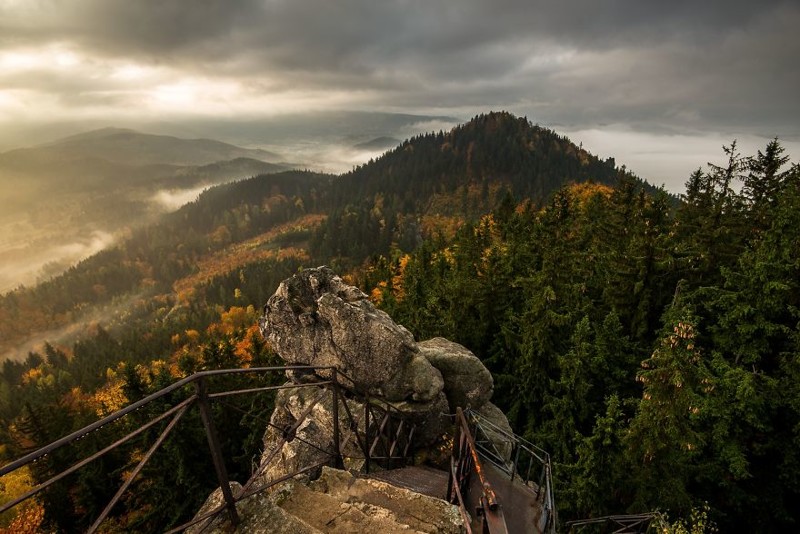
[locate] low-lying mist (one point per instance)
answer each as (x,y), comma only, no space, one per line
(47,225)
(27,265)
(172,199)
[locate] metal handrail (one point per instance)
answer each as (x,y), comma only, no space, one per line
(459,498)
(623,523)
(47,449)
(203,399)
(389,412)
(544,486)
(467,463)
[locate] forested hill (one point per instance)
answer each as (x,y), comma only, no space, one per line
(496,148)
(432,183)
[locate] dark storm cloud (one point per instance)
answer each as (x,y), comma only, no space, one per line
(658,64)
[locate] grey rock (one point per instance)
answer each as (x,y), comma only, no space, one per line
(417,381)
(314,318)
(259,514)
(498,431)
(467,382)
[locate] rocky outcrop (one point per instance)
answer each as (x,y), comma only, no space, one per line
(467,382)
(314,318)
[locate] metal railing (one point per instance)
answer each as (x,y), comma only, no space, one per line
(622,524)
(383,434)
(466,464)
(521,460)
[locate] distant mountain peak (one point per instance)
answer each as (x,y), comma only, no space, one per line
(131,147)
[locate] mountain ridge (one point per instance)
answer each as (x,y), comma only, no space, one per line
(125,145)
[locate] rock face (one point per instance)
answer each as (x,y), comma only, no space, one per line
(314,318)
(312,441)
(467,382)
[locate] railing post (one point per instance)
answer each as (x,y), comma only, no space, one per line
(455,460)
(216,451)
(516,460)
(367,442)
(337,453)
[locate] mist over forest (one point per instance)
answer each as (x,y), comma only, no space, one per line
(71,197)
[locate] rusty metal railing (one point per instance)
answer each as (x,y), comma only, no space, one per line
(467,471)
(649,522)
(388,434)
(521,460)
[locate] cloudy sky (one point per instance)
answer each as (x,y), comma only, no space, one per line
(660,85)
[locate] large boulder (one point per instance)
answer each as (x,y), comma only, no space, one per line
(467,382)
(314,318)
(417,381)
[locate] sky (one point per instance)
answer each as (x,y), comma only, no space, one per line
(659,85)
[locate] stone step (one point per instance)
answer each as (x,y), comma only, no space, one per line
(421,479)
(420,512)
(332,516)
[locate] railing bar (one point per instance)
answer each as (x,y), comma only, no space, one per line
(494,463)
(408,443)
(95,456)
(265,388)
(379,435)
(284,478)
(496,450)
(461,506)
(366,434)
(200,519)
(396,438)
(212,437)
(488,453)
(491,498)
(137,469)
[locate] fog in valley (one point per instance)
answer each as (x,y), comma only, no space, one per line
(66,199)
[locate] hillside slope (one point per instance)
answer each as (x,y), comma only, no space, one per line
(429,183)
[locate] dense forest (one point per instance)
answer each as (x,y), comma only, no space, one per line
(650,343)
